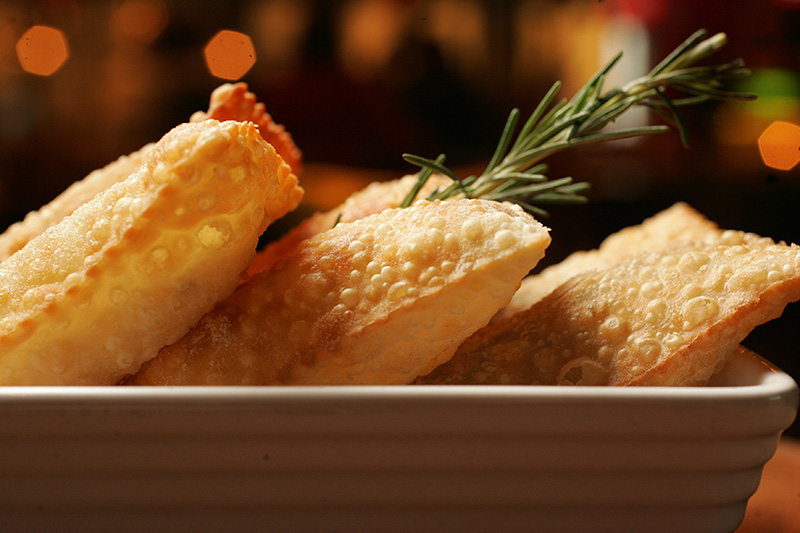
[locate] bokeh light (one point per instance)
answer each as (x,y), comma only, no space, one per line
(778,92)
(779,145)
(42,50)
(279,29)
(229,55)
(139,21)
(371,32)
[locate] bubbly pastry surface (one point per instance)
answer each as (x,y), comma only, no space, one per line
(659,318)
(233,101)
(18,234)
(678,223)
(380,300)
(227,102)
(372,199)
(91,298)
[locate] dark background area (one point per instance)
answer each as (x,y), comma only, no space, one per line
(360,82)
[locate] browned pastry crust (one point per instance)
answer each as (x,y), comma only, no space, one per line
(372,199)
(235,102)
(660,318)
(18,234)
(94,296)
(380,300)
(678,223)
(228,102)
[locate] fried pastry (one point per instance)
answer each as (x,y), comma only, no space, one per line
(232,101)
(372,199)
(380,300)
(35,222)
(677,223)
(228,102)
(91,298)
(659,318)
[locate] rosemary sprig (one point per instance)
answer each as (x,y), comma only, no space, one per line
(515,171)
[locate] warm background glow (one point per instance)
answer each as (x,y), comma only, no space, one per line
(139,21)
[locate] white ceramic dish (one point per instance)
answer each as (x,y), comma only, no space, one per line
(391,458)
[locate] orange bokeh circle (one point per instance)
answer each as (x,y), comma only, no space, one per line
(779,145)
(42,50)
(229,55)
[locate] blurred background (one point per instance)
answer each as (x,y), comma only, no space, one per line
(360,82)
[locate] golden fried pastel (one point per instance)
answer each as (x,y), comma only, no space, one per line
(660,318)
(94,296)
(678,223)
(380,300)
(228,102)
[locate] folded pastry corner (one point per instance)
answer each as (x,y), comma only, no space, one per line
(91,298)
(227,102)
(233,101)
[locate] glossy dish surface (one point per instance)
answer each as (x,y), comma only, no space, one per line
(482,458)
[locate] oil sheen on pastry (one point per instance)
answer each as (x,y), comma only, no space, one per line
(380,300)
(678,223)
(372,199)
(35,222)
(227,102)
(660,318)
(232,101)
(94,296)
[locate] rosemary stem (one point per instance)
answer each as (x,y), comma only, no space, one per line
(515,171)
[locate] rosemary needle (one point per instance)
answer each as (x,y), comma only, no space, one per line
(515,171)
